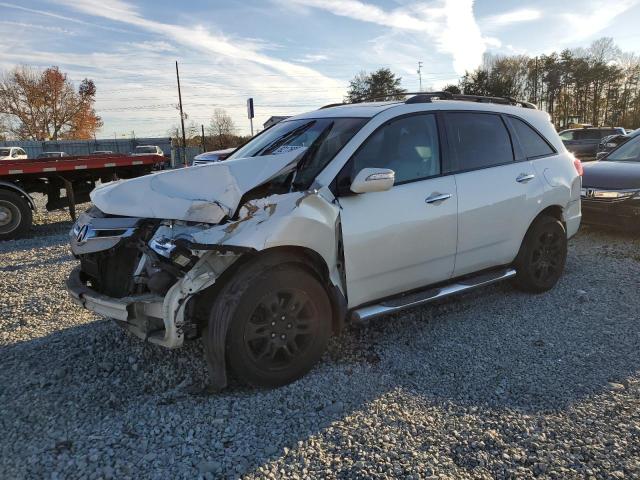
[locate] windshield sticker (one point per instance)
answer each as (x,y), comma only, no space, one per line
(286,149)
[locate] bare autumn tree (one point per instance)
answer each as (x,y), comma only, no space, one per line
(221,128)
(43,105)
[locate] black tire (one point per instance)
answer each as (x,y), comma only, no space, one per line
(271,340)
(542,256)
(16,216)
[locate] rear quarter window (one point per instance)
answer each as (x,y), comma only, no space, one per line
(533,144)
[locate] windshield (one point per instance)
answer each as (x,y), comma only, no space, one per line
(323,138)
(145,149)
(5,152)
(628,152)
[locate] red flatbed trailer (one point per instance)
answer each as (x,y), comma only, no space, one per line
(76,175)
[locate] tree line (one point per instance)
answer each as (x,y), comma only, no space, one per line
(598,85)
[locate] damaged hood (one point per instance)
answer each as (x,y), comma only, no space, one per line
(205,193)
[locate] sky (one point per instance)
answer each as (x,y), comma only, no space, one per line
(291,56)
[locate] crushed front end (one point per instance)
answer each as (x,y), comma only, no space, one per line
(141,273)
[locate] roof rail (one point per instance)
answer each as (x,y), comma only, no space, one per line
(426,97)
(332,105)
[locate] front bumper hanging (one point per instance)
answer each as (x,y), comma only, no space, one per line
(142,315)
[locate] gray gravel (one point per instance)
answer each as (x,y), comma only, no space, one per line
(495,383)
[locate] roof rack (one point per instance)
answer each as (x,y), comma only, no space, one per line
(427,97)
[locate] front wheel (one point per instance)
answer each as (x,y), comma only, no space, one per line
(542,256)
(280,323)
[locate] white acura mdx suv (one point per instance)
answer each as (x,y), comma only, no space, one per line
(346,213)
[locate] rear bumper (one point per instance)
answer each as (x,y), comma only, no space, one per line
(142,315)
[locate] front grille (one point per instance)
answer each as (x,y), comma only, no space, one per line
(110,272)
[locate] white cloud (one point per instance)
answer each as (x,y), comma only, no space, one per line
(312,58)
(196,37)
(510,18)
(32,26)
(366,13)
(598,16)
(449,24)
(46,13)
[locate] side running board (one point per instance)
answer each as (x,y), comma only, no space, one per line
(409,300)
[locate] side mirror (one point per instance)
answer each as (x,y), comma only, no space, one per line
(373,180)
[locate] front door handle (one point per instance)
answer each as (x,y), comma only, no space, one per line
(525,177)
(437,197)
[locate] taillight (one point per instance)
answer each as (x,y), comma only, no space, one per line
(578,164)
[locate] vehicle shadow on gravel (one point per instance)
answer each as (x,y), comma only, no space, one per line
(492,348)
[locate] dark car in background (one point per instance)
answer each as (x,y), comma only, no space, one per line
(583,142)
(612,142)
(611,188)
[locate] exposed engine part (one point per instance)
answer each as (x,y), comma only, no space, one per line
(160,282)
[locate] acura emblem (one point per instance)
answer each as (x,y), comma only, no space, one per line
(82,234)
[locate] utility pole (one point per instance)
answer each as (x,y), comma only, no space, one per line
(184,137)
(420,74)
(204,148)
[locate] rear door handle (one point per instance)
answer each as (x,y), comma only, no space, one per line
(438,197)
(525,177)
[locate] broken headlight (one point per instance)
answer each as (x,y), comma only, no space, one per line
(177,254)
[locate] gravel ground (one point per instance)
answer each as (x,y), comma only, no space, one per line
(495,383)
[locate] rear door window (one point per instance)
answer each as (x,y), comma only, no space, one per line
(567,135)
(477,140)
(533,144)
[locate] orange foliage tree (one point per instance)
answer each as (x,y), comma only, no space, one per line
(43,105)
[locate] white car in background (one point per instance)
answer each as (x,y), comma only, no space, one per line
(12,153)
(345,213)
(147,150)
(213,156)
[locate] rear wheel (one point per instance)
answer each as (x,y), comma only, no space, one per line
(280,323)
(542,256)
(15,215)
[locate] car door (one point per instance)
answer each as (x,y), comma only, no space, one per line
(585,143)
(497,196)
(405,237)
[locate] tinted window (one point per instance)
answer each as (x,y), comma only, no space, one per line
(408,146)
(608,131)
(530,140)
(478,140)
(586,135)
(568,135)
